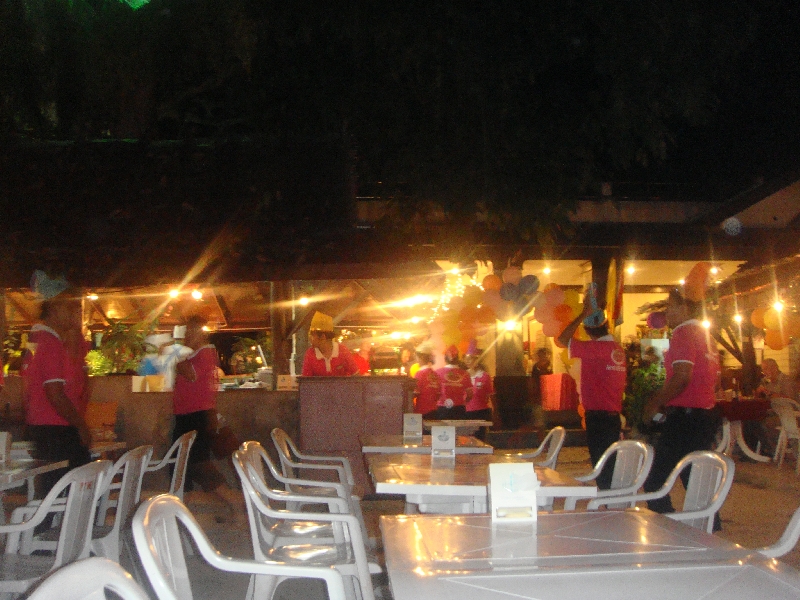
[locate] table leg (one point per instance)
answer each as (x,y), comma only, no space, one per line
(738,437)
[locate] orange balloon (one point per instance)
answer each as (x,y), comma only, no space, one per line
(776,339)
(463,346)
(772,319)
(697,281)
(492,282)
(552,328)
(472,296)
(486,315)
(757,318)
(512,275)
(563,313)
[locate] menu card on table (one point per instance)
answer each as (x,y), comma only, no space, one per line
(512,492)
(412,425)
(443,441)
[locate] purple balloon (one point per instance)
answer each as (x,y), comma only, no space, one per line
(528,285)
(657,320)
(509,291)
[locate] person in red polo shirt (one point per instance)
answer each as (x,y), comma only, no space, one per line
(429,387)
(326,356)
(54,399)
(603,376)
(456,387)
(687,396)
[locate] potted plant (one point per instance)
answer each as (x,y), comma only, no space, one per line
(123,345)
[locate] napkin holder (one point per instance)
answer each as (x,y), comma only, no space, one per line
(5,446)
(412,425)
(512,492)
(443,441)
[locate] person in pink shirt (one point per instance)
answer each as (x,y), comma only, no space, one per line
(479,406)
(603,374)
(194,405)
(429,387)
(326,357)
(687,396)
(456,387)
(55,400)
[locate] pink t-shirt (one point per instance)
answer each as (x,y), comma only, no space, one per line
(200,394)
(482,390)
(77,372)
(47,365)
(340,364)
(455,384)
(429,389)
(602,372)
(691,343)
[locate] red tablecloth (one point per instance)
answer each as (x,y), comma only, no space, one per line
(559,392)
(745,410)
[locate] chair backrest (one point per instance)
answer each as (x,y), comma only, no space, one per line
(82,486)
(710,481)
(177,455)
(787,410)
(553,442)
(132,466)
(248,464)
(788,540)
(632,464)
(286,451)
(88,579)
(159,543)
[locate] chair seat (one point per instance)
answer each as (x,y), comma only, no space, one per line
(312,490)
(317,555)
(21,570)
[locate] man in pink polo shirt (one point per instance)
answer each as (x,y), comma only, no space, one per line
(326,356)
(429,387)
(54,400)
(687,396)
(602,385)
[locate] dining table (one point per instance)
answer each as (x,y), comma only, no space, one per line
(463,426)
(459,483)
(398,444)
(602,555)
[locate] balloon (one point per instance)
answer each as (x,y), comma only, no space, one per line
(509,291)
(486,315)
(775,339)
(512,275)
(563,313)
(492,299)
(529,284)
(543,314)
(697,281)
(463,346)
(657,320)
(572,298)
(467,329)
(468,314)
(473,295)
(554,296)
(538,300)
(521,306)
(492,282)
(552,328)
(772,319)
(757,318)
(456,304)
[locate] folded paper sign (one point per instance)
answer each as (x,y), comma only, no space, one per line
(443,441)
(412,425)
(512,492)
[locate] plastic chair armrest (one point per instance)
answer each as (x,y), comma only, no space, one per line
(597,502)
(335,503)
(340,472)
(342,460)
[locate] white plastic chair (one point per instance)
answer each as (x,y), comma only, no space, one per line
(631,467)
(552,443)
(88,579)
(105,538)
(345,551)
(788,540)
(709,483)
(177,455)
(77,510)
(157,536)
(292,460)
(787,410)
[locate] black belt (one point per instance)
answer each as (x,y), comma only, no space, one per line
(603,412)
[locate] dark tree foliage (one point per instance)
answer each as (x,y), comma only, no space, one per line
(480,120)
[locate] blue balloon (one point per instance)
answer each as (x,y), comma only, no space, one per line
(509,291)
(529,285)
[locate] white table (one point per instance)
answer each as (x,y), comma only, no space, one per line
(15,471)
(463,426)
(599,555)
(458,484)
(397,444)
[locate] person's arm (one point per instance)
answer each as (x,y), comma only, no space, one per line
(681,375)
(186,369)
(54,390)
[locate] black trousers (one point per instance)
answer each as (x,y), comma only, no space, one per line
(602,429)
(200,469)
(55,443)
(685,430)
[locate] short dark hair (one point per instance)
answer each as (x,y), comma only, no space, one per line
(326,334)
(693,307)
(198,321)
(598,331)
